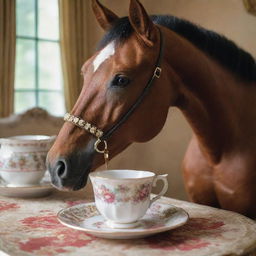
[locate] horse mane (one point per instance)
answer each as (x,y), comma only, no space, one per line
(226,52)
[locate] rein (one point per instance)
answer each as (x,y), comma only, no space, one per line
(99,134)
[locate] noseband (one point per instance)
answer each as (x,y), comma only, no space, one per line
(101,136)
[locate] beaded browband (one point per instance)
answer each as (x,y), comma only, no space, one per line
(92,129)
(83,124)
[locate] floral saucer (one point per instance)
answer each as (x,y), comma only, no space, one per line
(159,218)
(42,189)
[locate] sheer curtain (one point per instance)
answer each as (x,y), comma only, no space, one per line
(73,44)
(7,56)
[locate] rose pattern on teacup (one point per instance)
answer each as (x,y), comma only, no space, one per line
(122,193)
(37,144)
(24,161)
(123,196)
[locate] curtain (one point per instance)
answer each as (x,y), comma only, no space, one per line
(73,44)
(7,56)
(250,5)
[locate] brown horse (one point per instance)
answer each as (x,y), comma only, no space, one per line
(210,79)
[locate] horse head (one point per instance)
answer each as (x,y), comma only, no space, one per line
(123,73)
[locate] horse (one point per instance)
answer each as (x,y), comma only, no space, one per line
(143,66)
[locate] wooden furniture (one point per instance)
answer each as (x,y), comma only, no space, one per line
(34,121)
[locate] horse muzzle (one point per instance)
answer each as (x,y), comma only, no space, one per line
(70,172)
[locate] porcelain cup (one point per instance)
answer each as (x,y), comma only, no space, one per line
(123,196)
(22,159)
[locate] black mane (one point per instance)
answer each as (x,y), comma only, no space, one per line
(217,46)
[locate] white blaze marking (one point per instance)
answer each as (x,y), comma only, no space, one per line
(104,54)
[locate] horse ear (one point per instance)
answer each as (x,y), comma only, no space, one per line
(142,23)
(105,17)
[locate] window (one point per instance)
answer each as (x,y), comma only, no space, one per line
(38,74)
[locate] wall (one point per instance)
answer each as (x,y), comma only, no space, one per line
(165,152)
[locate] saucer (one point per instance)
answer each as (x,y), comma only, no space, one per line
(42,189)
(158,218)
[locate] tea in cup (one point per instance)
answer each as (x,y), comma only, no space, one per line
(123,196)
(22,159)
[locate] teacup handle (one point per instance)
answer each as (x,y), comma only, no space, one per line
(162,177)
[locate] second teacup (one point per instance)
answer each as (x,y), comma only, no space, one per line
(123,196)
(22,159)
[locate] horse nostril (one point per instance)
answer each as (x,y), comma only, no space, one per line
(61,169)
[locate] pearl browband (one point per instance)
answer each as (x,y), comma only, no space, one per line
(83,124)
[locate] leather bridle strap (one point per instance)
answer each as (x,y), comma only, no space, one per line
(157,73)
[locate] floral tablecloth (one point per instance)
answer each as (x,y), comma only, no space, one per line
(30,227)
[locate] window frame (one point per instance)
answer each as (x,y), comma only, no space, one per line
(36,40)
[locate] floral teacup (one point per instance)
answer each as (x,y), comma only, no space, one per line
(22,159)
(123,196)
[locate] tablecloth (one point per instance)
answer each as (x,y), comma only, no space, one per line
(30,227)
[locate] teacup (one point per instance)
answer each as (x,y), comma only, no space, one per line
(22,159)
(123,196)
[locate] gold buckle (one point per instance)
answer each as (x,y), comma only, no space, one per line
(97,143)
(157,72)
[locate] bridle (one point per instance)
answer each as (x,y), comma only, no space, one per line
(101,136)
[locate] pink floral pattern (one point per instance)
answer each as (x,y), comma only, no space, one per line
(188,237)
(48,221)
(33,144)
(24,161)
(5,206)
(122,193)
(59,241)
(76,202)
(30,228)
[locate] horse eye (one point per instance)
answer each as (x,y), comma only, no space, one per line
(120,81)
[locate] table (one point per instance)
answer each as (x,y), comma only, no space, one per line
(30,227)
